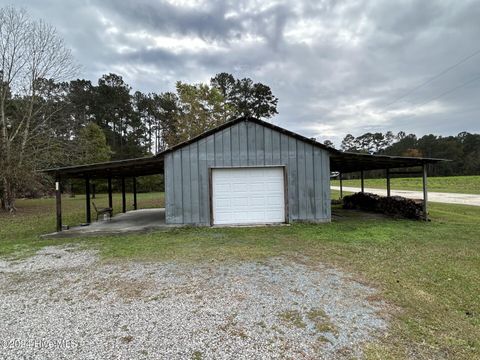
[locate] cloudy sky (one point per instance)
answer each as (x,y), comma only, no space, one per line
(336,66)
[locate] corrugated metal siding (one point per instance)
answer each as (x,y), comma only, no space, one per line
(246,144)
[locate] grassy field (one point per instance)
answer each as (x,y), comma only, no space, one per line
(450,184)
(428,272)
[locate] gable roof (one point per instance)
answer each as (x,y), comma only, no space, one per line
(252,120)
(339,160)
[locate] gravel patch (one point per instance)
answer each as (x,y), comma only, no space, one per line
(63,304)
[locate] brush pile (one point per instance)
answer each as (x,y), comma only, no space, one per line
(396,206)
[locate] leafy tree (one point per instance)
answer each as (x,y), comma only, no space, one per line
(113,110)
(92,145)
(30,52)
(244,97)
(81,100)
(167,112)
(348,143)
(329,143)
(200,109)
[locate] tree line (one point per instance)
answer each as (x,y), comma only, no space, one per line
(463,149)
(48,120)
(108,121)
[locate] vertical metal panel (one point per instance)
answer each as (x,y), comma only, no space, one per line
(284,149)
(251,144)
(309,183)
(235,144)
(177,187)
(260,144)
(276,152)
(203,181)
(211,151)
(186,186)
(243,143)
(246,143)
(268,146)
(218,149)
(194,175)
(293,178)
(302,188)
(169,190)
(227,149)
(210,163)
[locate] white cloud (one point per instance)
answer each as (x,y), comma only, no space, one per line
(335,65)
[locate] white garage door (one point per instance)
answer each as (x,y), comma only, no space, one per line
(248,196)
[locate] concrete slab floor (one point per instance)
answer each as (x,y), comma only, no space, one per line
(136,220)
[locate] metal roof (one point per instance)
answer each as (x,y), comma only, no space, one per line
(253,120)
(127,168)
(346,162)
(339,161)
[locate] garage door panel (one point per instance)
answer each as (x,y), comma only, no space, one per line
(275,201)
(257,201)
(240,186)
(239,201)
(223,203)
(223,187)
(248,195)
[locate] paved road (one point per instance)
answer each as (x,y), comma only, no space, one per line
(449,198)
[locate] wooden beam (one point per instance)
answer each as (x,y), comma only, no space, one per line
(110,199)
(362,181)
(87,201)
(425,193)
(58,201)
(388,183)
(341,186)
(124,200)
(93,190)
(135,193)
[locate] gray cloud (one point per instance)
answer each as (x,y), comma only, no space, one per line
(337,66)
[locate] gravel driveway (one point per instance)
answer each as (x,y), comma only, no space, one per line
(64,304)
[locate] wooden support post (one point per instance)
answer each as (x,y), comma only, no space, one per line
(135,193)
(93,191)
(341,186)
(124,200)
(58,201)
(87,201)
(388,183)
(72,189)
(425,193)
(110,199)
(362,180)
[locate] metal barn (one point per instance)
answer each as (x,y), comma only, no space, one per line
(246,171)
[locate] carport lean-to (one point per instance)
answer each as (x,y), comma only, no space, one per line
(121,169)
(244,171)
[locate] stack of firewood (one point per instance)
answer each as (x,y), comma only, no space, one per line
(394,205)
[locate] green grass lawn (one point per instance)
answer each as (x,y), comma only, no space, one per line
(450,184)
(428,273)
